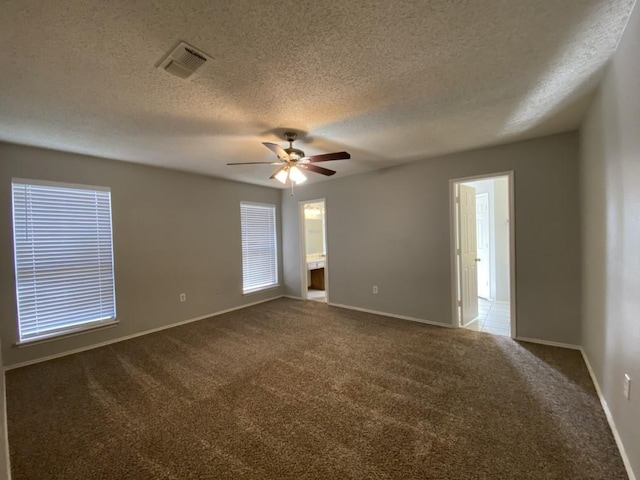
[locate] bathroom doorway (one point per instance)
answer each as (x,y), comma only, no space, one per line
(483,253)
(314,226)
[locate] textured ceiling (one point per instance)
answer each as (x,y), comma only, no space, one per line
(388,81)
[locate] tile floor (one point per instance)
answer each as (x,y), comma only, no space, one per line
(316,295)
(494,317)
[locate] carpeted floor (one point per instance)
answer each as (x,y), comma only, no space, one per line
(301,390)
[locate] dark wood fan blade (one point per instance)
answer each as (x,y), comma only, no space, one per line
(276,172)
(277,149)
(255,163)
(317,169)
(327,157)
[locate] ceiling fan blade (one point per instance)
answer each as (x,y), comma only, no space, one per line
(255,163)
(277,149)
(327,157)
(276,172)
(317,169)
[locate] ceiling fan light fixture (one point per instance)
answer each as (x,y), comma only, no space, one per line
(292,162)
(282,175)
(296,175)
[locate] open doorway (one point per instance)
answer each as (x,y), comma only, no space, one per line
(314,250)
(482,219)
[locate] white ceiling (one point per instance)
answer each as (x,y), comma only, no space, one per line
(388,81)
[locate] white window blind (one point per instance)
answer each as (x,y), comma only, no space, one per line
(259,247)
(63,258)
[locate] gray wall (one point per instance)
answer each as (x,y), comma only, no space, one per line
(173,232)
(610,172)
(391,228)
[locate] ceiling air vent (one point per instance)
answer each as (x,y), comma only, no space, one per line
(183,60)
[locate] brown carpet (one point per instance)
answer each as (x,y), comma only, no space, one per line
(295,390)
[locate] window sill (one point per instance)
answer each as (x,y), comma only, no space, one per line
(262,290)
(59,336)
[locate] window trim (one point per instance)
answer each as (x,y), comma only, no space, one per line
(70,333)
(277,283)
(48,183)
(86,327)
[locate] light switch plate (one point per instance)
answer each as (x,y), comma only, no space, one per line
(627,386)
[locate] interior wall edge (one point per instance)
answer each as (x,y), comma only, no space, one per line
(132,164)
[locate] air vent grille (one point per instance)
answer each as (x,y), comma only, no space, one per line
(183,60)
(191,59)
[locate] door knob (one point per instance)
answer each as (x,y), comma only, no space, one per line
(478,259)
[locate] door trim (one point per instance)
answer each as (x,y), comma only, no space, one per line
(455,282)
(304,286)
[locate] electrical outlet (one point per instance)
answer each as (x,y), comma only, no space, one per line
(375,289)
(183,297)
(627,386)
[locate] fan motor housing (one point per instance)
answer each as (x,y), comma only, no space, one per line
(294,153)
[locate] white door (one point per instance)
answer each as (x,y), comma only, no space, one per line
(468,254)
(483,225)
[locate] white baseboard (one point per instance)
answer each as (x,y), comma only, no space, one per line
(392,315)
(547,342)
(466,325)
(607,412)
(139,334)
(292,297)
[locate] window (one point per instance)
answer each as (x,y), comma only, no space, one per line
(259,247)
(63,258)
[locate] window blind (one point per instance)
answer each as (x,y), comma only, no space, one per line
(63,258)
(259,247)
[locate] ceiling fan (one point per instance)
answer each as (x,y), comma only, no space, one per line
(292,161)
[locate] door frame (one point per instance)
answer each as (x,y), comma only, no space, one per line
(455,273)
(303,249)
